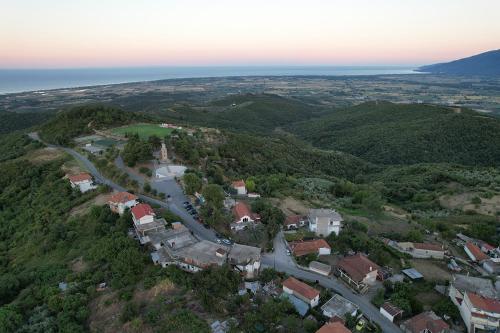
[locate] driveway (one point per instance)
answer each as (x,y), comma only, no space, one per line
(281,262)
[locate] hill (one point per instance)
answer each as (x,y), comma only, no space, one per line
(82,120)
(387,133)
(248,112)
(487,63)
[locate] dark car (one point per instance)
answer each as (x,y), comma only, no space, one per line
(186,203)
(206,226)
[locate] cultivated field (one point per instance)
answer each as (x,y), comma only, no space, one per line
(144,130)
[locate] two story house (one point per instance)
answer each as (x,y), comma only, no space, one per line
(324,221)
(121,201)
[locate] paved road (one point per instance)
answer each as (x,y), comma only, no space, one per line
(175,206)
(280,261)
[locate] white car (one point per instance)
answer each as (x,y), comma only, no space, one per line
(288,253)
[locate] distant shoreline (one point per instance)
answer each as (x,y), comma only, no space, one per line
(32,80)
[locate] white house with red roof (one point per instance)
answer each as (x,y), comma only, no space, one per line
(474,252)
(83,181)
(243,217)
(121,201)
(239,186)
(302,291)
(143,214)
(358,271)
(479,313)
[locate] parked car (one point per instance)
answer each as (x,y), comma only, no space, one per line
(288,253)
(227,241)
(219,241)
(360,325)
(186,203)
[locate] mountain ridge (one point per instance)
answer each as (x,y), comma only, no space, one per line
(486,63)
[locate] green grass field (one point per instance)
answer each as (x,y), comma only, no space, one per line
(144,130)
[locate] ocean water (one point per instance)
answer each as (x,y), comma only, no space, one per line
(21,80)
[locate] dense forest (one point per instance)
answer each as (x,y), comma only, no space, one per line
(11,121)
(387,133)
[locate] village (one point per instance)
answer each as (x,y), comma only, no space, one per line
(303,244)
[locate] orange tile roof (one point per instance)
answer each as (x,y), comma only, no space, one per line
(426,321)
(335,327)
(293,219)
(302,248)
(79,177)
(239,183)
(484,303)
(357,266)
(476,252)
(428,246)
(300,288)
(142,210)
(122,197)
(240,210)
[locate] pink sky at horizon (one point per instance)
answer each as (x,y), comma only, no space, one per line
(113,33)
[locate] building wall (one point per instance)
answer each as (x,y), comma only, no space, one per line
(429,253)
(386,314)
(241,190)
(324,251)
(86,186)
(371,277)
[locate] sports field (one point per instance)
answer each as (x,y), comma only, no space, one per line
(144,130)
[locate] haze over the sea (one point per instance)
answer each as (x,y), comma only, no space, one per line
(20,80)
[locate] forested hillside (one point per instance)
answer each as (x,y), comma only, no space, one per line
(83,119)
(10,121)
(249,113)
(386,133)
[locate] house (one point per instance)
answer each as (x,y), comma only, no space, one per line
(390,311)
(425,322)
(358,271)
(294,222)
(492,266)
(239,186)
(317,246)
(145,221)
(335,327)
(461,284)
(245,259)
(243,217)
(479,313)
(83,181)
(474,252)
(302,291)
(121,201)
(486,248)
(339,307)
(324,221)
(422,250)
(320,268)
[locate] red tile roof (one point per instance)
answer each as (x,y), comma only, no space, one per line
(122,197)
(302,248)
(487,246)
(293,219)
(79,177)
(239,183)
(335,327)
(357,266)
(240,210)
(142,210)
(391,309)
(476,252)
(426,321)
(484,303)
(428,246)
(300,288)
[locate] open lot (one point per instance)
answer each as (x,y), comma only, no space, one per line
(143,130)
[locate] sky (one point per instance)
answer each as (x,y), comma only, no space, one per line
(122,33)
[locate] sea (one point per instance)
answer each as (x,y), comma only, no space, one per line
(22,80)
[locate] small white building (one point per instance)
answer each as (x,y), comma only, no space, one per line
(323,222)
(240,187)
(390,311)
(83,181)
(302,291)
(121,201)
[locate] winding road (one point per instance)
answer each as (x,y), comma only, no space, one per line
(278,259)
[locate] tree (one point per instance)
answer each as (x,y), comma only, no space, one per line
(192,183)
(214,196)
(250,185)
(136,150)
(10,320)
